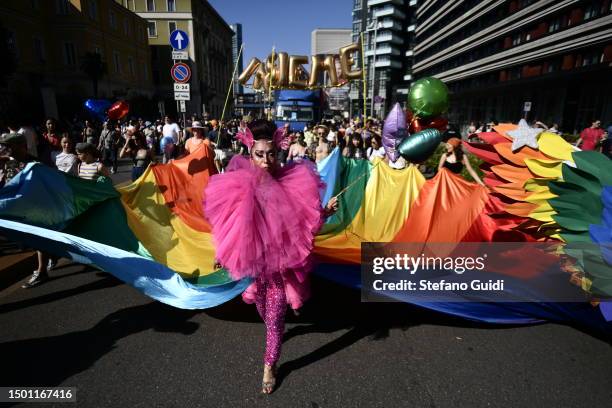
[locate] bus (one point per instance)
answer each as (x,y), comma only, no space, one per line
(298,108)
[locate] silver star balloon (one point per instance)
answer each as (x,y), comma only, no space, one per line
(524,135)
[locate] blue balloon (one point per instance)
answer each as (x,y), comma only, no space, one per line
(98,106)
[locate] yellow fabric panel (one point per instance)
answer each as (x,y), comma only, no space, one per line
(168,239)
(555,146)
(536,185)
(386,204)
(545,168)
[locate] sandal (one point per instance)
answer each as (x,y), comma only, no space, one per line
(267,387)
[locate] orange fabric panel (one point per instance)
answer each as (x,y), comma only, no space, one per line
(518,158)
(502,128)
(515,191)
(445,210)
(182,184)
(521,209)
(512,174)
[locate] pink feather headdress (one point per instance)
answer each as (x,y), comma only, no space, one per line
(280,137)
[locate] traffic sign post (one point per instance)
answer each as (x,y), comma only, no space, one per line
(180,72)
(179,40)
(180,55)
(526,109)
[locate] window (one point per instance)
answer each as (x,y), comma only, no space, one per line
(61,7)
(93,9)
(131,66)
(516,39)
(591,11)
(171,5)
(145,72)
(356,4)
(112,19)
(357,27)
(35,4)
(39,50)
(554,25)
(152,28)
(150,5)
(98,51)
(126,27)
(129,4)
(69,54)
(116,62)
(171,26)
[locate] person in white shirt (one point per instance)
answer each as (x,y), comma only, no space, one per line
(172,135)
(67,161)
(375,150)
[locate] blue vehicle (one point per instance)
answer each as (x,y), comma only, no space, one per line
(298,108)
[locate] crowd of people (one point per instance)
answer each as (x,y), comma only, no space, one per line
(88,149)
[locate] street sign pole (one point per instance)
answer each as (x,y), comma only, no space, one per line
(180,72)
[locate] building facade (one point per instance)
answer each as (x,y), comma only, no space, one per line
(210,51)
(237,56)
(50,41)
(497,55)
(389,28)
(329,41)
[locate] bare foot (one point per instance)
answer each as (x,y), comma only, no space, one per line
(269,379)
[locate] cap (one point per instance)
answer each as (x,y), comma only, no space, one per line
(12,138)
(197,125)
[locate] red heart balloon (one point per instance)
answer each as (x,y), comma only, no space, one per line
(118,110)
(439,123)
(416,125)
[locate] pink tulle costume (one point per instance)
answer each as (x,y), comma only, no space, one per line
(263,226)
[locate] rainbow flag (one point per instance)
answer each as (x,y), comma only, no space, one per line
(153,234)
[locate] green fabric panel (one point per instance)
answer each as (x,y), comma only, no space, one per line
(88,192)
(350,201)
(581,178)
(560,188)
(219,277)
(106,223)
(596,164)
(576,211)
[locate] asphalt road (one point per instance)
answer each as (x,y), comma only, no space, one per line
(86,329)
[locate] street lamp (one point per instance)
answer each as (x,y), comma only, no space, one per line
(373,27)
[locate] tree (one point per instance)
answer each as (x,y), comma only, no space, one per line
(93,66)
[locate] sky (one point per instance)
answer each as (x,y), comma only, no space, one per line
(286,24)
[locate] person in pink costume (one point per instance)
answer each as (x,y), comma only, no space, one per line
(264,218)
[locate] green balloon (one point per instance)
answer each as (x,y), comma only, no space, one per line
(428,97)
(419,146)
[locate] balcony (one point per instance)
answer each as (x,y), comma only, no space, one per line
(382,50)
(390,24)
(387,63)
(377,2)
(389,11)
(387,36)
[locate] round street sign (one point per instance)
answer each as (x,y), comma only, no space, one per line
(179,40)
(180,72)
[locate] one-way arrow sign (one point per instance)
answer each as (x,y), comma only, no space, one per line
(179,40)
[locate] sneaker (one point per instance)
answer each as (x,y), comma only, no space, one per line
(36,279)
(51,264)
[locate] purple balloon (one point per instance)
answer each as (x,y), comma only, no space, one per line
(394,131)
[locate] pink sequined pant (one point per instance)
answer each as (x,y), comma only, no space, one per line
(271,304)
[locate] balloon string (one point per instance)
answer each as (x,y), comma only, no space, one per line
(351,184)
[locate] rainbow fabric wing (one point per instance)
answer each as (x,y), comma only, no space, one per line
(153,234)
